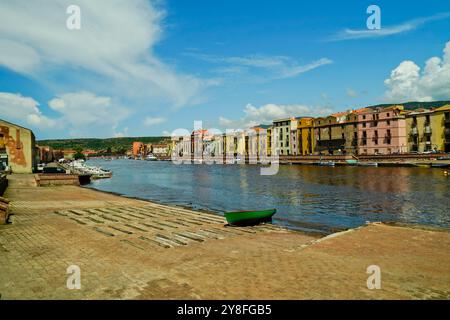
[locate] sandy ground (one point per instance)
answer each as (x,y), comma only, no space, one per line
(133,249)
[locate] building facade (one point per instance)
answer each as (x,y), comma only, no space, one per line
(329,135)
(281,128)
(382,131)
(18,148)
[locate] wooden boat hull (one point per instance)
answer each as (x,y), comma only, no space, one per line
(247,218)
(440,165)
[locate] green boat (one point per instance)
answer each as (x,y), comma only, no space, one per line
(248,218)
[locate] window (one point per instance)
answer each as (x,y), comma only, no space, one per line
(387,115)
(364,117)
(364,124)
(388,122)
(376,151)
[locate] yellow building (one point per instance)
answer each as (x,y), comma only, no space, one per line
(429,130)
(441,123)
(17,148)
(305,135)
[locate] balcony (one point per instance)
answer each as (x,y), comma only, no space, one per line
(354,142)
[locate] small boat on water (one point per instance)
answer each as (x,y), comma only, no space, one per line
(248,218)
(422,165)
(440,165)
(367,164)
(352,162)
(326,163)
(151,157)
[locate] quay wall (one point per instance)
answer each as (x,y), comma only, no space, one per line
(48,179)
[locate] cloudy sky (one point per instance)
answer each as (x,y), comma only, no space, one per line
(149,67)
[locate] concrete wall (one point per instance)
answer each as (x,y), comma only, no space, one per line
(20,146)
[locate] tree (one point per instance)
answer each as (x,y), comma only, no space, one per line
(78,154)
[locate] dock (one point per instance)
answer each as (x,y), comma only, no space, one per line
(133,249)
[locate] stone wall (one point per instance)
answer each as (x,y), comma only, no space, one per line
(48,179)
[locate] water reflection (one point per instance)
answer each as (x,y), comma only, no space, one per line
(307,197)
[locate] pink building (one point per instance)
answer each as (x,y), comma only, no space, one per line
(382,131)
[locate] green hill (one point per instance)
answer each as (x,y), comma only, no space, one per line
(113,144)
(413,105)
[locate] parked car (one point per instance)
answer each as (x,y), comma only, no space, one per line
(54,170)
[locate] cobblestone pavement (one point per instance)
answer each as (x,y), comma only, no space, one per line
(133,249)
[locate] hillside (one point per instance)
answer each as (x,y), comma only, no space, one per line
(114,144)
(413,105)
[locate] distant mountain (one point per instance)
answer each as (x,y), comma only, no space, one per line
(413,105)
(114,144)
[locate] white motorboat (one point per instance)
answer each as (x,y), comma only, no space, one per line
(151,157)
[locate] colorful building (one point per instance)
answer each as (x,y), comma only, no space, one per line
(423,131)
(329,134)
(382,131)
(429,130)
(282,129)
(302,136)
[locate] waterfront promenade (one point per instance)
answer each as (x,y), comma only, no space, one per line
(133,249)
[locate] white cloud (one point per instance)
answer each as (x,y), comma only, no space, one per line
(23,110)
(79,114)
(275,67)
(121,134)
(349,34)
(116,42)
(407,82)
(149,121)
(265,114)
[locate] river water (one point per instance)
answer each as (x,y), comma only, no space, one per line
(309,198)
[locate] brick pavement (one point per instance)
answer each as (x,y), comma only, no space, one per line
(133,249)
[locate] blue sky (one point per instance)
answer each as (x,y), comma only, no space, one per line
(148,67)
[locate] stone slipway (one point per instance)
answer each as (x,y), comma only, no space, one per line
(133,249)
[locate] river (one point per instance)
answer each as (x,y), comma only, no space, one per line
(308,198)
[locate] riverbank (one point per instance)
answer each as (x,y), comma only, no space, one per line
(134,249)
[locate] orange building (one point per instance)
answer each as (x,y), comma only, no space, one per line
(137,148)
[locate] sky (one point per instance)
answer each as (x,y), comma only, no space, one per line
(147,68)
